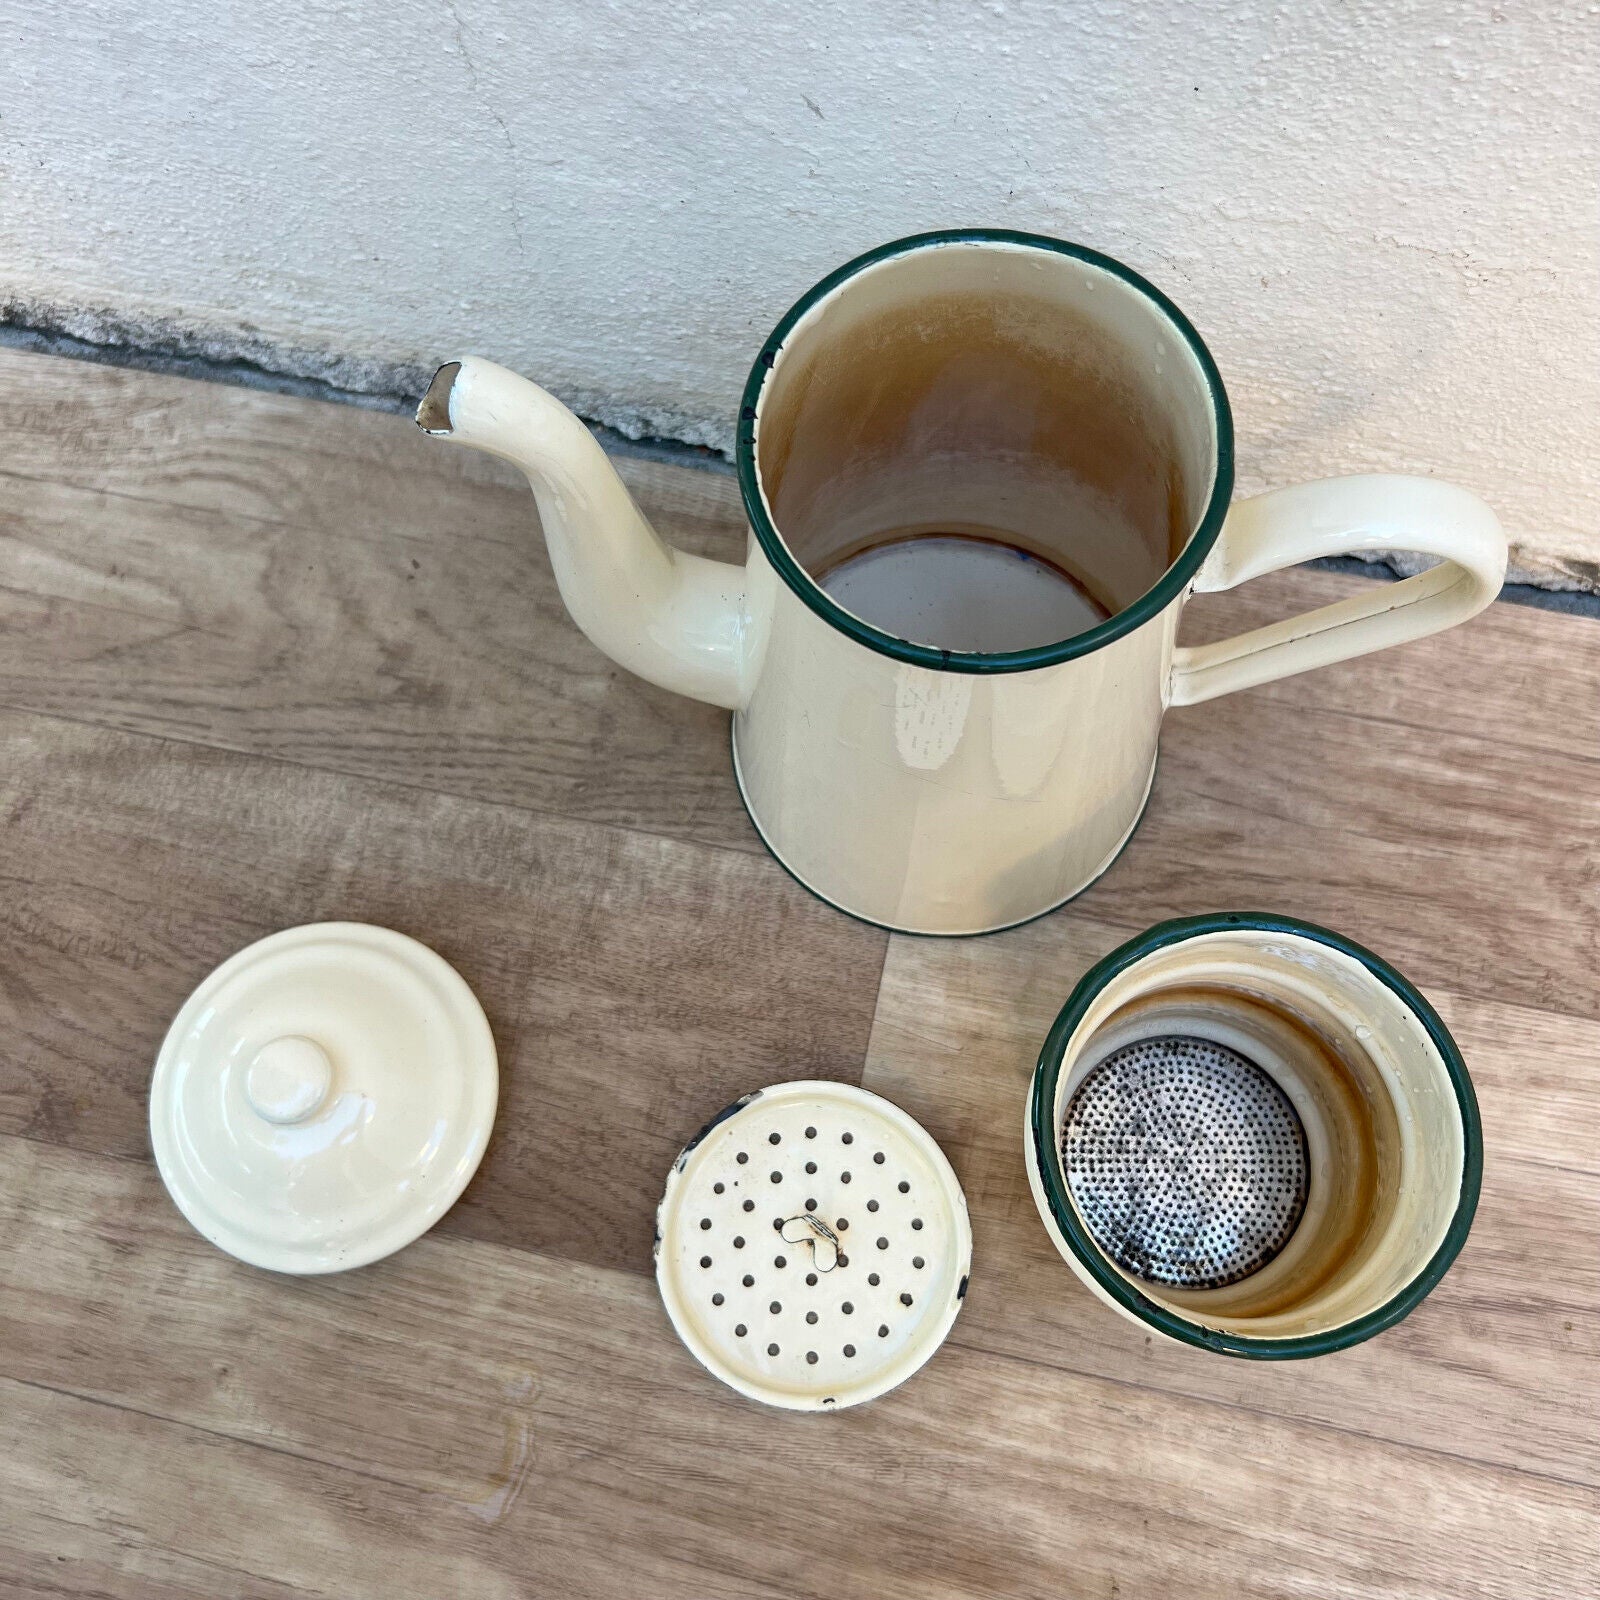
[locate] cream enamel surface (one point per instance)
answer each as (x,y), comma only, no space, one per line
(887,1147)
(940,801)
(948,802)
(323,1097)
(1421,1138)
(1344,516)
(676,619)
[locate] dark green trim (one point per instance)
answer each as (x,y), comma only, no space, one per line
(1152,601)
(1041,1117)
(924,933)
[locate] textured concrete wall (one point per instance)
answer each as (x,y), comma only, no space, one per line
(1382,214)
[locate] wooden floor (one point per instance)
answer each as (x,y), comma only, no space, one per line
(265,661)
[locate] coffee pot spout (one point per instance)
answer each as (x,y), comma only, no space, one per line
(676,619)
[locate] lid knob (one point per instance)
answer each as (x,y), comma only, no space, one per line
(811,1230)
(289,1079)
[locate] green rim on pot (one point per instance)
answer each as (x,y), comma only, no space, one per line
(1152,601)
(1041,1121)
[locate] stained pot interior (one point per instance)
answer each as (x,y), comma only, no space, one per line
(1383,1126)
(1003,391)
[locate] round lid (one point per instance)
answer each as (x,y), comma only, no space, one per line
(323,1097)
(812,1246)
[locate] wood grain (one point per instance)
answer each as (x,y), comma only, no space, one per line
(635,984)
(333,470)
(589,1455)
(1469,866)
(411,633)
(268,661)
(1498,679)
(458,672)
(1502,1362)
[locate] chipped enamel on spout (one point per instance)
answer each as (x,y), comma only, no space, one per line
(943,791)
(675,619)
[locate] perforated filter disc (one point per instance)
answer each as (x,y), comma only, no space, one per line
(812,1246)
(1186,1161)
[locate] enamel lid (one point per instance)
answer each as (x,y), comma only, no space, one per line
(323,1097)
(812,1246)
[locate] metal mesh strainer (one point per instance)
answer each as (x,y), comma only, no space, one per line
(1186,1161)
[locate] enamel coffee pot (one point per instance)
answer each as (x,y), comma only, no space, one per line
(1023,395)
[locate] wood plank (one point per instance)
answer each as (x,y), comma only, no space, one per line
(635,984)
(427,656)
(104,1501)
(361,656)
(1502,1362)
(280,661)
(629,1470)
(1521,677)
(239,452)
(1449,855)
(332,470)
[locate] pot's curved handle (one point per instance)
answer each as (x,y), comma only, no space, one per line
(1342,517)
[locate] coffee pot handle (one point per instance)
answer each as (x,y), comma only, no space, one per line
(1344,517)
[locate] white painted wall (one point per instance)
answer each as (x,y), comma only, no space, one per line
(1382,214)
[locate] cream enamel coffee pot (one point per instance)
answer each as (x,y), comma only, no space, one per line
(1023,395)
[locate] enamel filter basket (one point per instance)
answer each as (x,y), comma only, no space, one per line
(812,1246)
